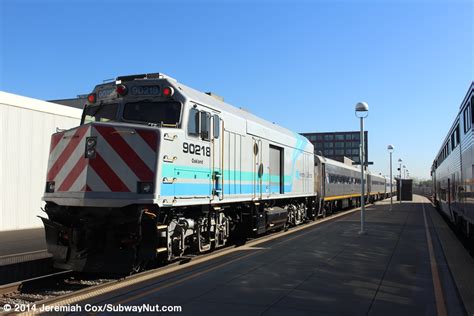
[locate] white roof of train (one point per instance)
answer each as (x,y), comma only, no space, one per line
(213,102)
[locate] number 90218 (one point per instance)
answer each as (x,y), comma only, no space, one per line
(198,150)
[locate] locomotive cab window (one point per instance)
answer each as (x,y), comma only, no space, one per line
(100,113)
(161,113)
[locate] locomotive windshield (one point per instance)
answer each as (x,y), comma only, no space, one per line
(164,113)
(100,113)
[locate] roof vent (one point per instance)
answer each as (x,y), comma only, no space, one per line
(215,96)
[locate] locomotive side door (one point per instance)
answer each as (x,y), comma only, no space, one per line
(257,169)
(217,153)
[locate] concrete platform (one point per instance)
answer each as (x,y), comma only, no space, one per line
(22,241)
(406,264)
(23,255)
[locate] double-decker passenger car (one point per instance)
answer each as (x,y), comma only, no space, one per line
(453,170)
(339,186)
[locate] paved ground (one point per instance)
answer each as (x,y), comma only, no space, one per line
(21,241)
(328,269)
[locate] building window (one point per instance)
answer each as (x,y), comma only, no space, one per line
(339,137)
(339,152)
(328,152)
(355,136)
(319,137)
(348,136)
(339,145)
(328,137)
(328,145)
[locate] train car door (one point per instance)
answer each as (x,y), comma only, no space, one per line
(275,171)
(217,153)
(257,169)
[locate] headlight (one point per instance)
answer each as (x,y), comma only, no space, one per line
(90,153)
(50,187)
(91,142)
(145,187)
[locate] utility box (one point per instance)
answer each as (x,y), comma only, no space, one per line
(404,189)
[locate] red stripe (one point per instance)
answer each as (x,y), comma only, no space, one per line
(86,188)
(128,155)
(150,138)
(55,138)
(73,175)
(107,175)
(67,152)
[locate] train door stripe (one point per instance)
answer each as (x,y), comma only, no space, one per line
(113,182)
(74,141)
(128,155)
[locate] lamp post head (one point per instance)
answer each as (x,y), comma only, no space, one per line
(362,110)
(362,107)
(400,160)
(390,148)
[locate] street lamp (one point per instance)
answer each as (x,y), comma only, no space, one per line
(362,111)
(400,179)
(404,169)
(390,150)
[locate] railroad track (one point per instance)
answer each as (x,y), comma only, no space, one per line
(62,286)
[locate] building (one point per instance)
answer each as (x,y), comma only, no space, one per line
(26,126)
(337,145)
(77,103)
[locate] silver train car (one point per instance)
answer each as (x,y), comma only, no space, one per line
(338,186)
(158,170)
(453,170)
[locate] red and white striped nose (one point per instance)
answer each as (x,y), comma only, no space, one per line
(103,158)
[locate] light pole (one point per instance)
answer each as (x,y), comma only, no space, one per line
(390,151)
(404,169)
(400,179)
(362,111)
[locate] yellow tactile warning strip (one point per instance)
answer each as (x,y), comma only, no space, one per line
(438,290)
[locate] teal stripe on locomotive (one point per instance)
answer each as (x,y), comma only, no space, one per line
(235,181)
(240,182)
(205,189)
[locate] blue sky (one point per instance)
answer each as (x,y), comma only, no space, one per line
(301,64)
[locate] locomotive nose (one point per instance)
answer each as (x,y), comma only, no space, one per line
(102,159)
